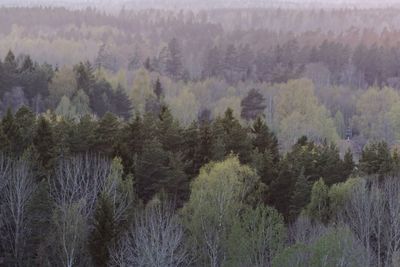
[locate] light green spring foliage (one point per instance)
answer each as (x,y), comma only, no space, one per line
(298,113)
(77,108)
(337,247)
(223,227)
(81,103)
(327,202)
(256,237)
(339,193)
(62,84)
(378,114)
(65,108)
(142,89)
(318,208)
(184,107)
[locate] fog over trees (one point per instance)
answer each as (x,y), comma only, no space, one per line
(199,133)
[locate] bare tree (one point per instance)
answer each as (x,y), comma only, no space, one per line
(17,193)
(74,188)
(157,240)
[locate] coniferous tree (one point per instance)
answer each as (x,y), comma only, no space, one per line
(11,131)
(10,62)
(151,170)
(122,104)
(205,144)
(103,233)
(234,136)
(25,121)
(85,77)
(281,188)
(44,145)
(83,138)
(348,164)
(264,140)
(169,131)
(158,89)
(174,66)
(253,105)
(300,197)
(106,134)
(376,159)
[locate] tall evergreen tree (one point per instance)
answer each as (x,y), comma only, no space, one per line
(122,105)
(44,145)
(174,66)
(348,164)
(11,131)
(253,105)
(103,232)
(151,170)
(301,196)
(107,134)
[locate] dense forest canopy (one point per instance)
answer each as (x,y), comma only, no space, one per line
(209,135)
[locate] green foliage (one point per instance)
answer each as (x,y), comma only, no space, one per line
(253,105)
(218,195)
(376,159)
(338,247)
(103,233)
(256,237)
(44,145)
(318,208)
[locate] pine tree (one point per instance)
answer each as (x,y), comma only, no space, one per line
(264,140)
(205,144)
(301,196)
(83,137)
(11,131)
(174,66)
(132,140)
(158,89)
(85,76)
(235,137)
(122,104)
(253,105)
(282,187)
(10,63)
(27,65)
(44,145)
(190,149)
(348,164)
(103,233)
(168,131)
(151,170)
(107,134)
(376,159)
(329,165)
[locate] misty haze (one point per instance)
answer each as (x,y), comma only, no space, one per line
(221,133)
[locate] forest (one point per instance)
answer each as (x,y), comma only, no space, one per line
(216,137)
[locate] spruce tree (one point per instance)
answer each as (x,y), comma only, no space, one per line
(44,145)
(253,105)
(205,144)
(158,89)
(83,138)
(348,164)
(122,104)
(10,129)
(300,197)
(25,121)
(106,134)
(103,233)
(264,140)
(151,169)
(168,131)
